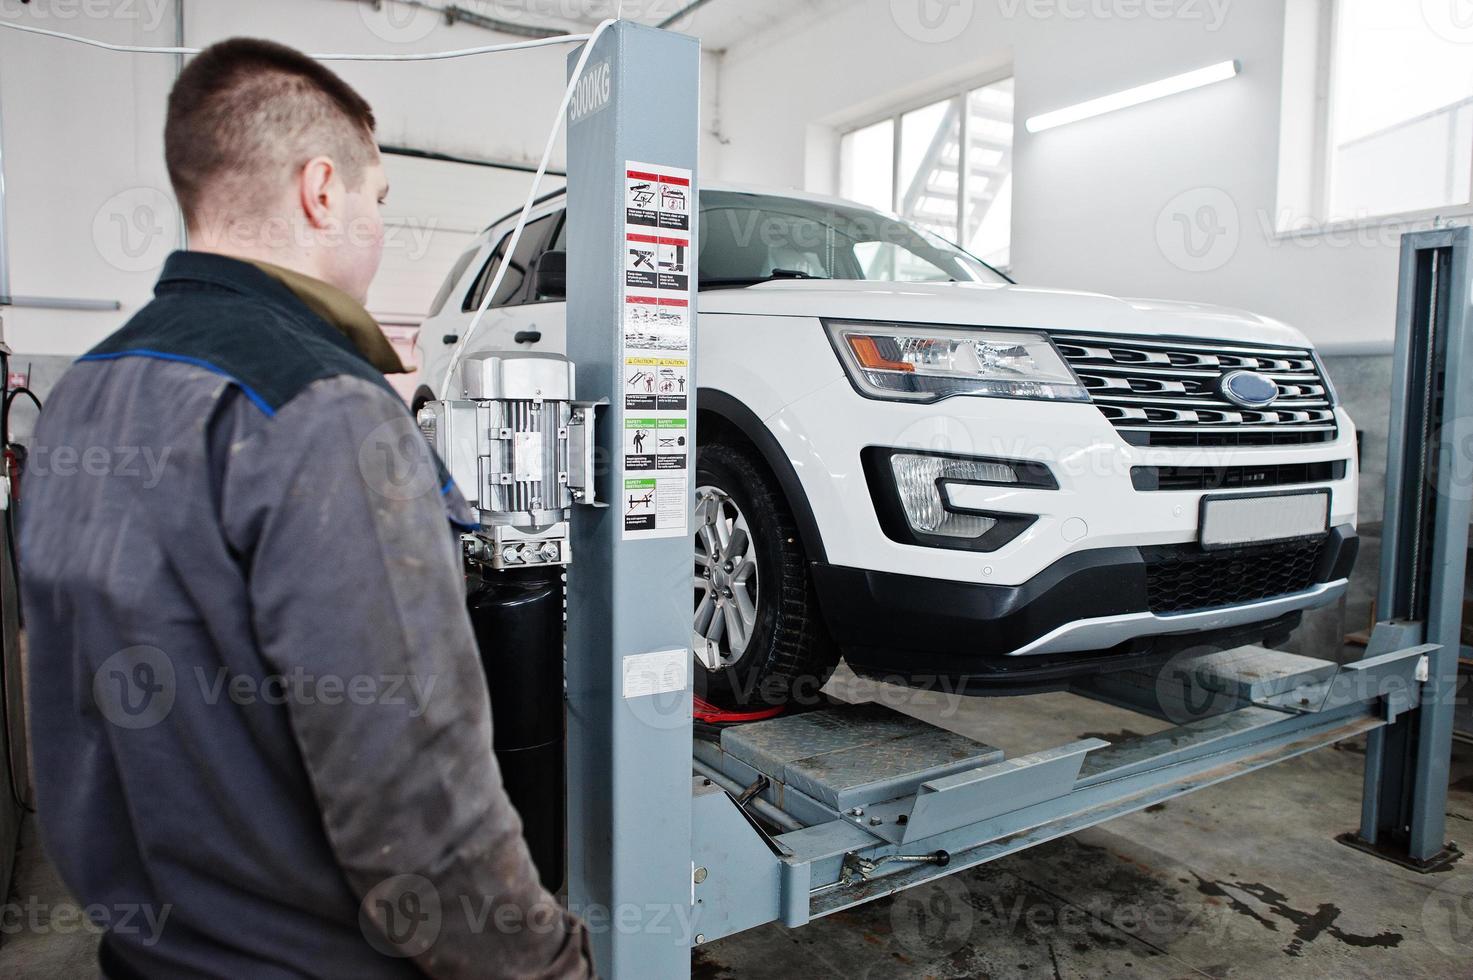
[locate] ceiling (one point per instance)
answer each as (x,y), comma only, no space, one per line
(720,24)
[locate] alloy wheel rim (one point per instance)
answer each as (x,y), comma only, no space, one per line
(726,586)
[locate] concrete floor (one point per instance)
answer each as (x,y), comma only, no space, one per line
(1243,879)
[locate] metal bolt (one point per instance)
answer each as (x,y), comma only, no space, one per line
(700,875)
(857,812)
(729,566)
(875,821)
(700,938)
(727,593)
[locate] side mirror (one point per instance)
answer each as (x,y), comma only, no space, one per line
(550,278)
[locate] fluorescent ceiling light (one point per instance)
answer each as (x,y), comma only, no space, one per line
(1135,96)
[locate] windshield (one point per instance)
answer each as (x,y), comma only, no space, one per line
(751,238)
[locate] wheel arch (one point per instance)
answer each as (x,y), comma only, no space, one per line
(719,413)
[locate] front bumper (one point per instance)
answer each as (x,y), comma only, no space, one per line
(1062,621)
(825,436)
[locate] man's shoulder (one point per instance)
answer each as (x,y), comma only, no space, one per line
(271,353)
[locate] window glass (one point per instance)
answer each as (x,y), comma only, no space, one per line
(747,238)
(925,182)
(987,230)
(458,270)
(533,241)
(867,166)
(1402,112)
(930,143)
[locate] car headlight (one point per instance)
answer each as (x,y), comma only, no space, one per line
(919,363)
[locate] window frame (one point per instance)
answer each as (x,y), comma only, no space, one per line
(956,93)
(1327,70)
(519,297)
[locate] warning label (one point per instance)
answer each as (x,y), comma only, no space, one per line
(657,264)
(656,322)
(655,384)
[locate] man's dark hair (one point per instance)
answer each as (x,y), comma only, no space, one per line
(246,113)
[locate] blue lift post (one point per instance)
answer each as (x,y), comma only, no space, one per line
(1424,545)
(629,799)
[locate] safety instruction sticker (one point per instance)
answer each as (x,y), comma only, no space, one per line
(658,434)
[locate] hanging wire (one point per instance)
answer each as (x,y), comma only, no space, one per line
(516,235)
(540,42)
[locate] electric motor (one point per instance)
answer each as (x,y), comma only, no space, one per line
(521,450)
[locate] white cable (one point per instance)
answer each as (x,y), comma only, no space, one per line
(516,235)
(541,42)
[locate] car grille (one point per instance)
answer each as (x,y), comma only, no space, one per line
(1150,478)
(1165,392)
(1188,579)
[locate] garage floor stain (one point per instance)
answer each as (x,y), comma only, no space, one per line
(1309,926)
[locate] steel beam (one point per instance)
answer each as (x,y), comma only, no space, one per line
(629,752)
(1429,480)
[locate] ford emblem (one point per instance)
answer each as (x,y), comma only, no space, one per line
(1248,389)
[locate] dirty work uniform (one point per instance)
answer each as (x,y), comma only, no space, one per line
(262,736)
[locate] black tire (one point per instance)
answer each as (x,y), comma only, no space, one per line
(790,654)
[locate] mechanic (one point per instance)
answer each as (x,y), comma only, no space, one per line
(351,822)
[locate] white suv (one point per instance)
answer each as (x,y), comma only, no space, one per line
(910,461)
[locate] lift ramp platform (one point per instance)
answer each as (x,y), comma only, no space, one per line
(805,815)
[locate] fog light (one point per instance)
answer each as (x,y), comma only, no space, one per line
(917,478)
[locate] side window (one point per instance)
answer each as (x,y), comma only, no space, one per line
(534,240)
(452,280)
(488,273)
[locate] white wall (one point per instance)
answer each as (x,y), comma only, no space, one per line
(90,213)
(1101,204)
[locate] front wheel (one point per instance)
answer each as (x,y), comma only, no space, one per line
(758,640)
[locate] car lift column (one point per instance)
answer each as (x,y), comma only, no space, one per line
(629,600)
(1429,479)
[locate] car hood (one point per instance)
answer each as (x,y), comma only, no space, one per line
(999,305)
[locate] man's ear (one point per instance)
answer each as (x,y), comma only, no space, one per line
(318,193)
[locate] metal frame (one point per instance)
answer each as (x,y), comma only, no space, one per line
(1424,544)
(1267,707)
(629,800)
